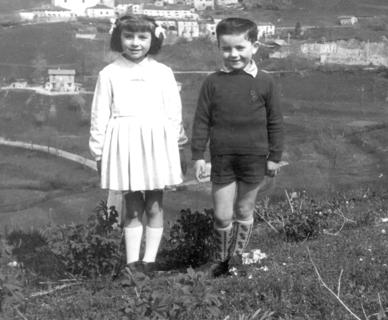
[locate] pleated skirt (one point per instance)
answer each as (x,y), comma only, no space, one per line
(139,154)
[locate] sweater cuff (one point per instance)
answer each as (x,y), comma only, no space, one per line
(275,156)
(197,154)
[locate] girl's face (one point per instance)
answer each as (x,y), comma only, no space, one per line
(135,44)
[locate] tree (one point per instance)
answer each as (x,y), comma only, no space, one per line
(40,68)
(298,30)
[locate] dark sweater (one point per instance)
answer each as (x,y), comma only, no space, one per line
(240,114)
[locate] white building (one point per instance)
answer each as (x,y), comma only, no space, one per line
(265,30)
(167,11)
(188,29)
(203,4)
(79,6)
(223,3)
(346,20)
(100,11)
(47,14)
(61,80)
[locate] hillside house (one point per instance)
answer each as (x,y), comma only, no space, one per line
(187,28)
(19,84)
(224,3)
(100,11)
(347,20)
(78,7)
(61,80)
(47,14)
(203,4)
(166,11)
(265,30)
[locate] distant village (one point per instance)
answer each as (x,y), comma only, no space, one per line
(185,18)
(189,19)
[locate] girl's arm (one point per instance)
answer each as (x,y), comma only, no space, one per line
(173,104)
(100,114)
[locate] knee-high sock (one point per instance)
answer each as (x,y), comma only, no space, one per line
(132,238)
(152,241)
(242,234)
(223,239)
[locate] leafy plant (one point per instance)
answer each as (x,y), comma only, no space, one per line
(10,284)
(191,240)
(177,299)
(91,249)
(296,219)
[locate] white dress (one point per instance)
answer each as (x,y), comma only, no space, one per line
(135,122)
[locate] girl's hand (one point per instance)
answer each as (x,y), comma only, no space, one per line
(273,168)
(183,161)
(200,169)
(99,167)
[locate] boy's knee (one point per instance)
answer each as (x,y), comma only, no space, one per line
(245,211)
(222,223)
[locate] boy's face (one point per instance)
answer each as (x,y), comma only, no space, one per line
(236,50)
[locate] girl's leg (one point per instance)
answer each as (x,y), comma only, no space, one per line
(154,228)
(223,200)
(245,205)
(133,228)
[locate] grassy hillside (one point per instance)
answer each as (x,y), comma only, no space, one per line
(7,6)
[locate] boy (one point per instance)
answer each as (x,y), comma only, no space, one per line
(238,110)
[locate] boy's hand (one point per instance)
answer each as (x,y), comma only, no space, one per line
(200,169)
(273,168)
(98,162)
(183,161)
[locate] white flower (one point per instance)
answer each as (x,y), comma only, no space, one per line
(383,231)
(13,264)
(384,219)
(253,256)
(264,268)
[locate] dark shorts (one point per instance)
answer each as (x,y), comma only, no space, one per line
(247,168)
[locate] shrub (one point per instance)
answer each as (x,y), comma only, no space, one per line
(91,249)
(191,240)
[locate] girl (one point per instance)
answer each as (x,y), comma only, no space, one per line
(135,128)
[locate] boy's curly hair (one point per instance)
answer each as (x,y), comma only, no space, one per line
(237,26)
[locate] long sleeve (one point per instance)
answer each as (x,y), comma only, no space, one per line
(172,102)
(201,124)
(100,114)
(274,124)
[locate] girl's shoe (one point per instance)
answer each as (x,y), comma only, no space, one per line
(135,267)
(149,268)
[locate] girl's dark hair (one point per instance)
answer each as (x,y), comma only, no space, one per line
(237,26)
(135,23)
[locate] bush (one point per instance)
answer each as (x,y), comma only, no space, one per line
(91,249)
(191,240)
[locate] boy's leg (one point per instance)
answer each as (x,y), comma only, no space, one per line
(154,228)
(245,205)
(223,200)
(133,228)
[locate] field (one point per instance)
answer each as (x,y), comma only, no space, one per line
(336,132)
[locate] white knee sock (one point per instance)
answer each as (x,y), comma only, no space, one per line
(153,237)
(133,242)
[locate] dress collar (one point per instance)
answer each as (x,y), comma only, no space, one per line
(142,63)
(250,68)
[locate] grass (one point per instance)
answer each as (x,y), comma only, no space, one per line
(349,257)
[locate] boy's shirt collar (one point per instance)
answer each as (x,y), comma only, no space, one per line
(250,68)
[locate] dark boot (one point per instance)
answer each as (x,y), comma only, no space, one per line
(241,236)
(219,263)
